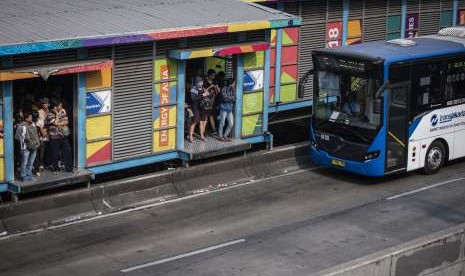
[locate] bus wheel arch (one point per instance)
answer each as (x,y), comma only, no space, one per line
(436,156)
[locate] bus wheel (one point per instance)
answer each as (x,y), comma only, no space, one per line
(435,157)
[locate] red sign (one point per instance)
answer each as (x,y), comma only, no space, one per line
(164,111)
(334,34)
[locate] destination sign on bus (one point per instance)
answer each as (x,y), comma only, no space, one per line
(342,64)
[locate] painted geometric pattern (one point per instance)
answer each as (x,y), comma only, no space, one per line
(165,93)
(98,152)
(164,117)
(289,74)
(253,103)
(252,125)
(289,55)
(254,60)
(290,36)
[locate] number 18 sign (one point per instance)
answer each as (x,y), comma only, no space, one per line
(334,34)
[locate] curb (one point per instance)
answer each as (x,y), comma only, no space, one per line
(57,209)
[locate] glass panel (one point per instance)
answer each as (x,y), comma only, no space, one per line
(165,93)
(426,87)
(254,60)
(98,79)
(164,117)
(252,125)
(393,36)
(164,140)
(252,103)
(288,93)
(455,82)
(98,127)
(397,132)
(98,152)
(98,102)
(165,69)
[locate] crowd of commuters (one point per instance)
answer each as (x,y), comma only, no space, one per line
(42,135)
(211,102)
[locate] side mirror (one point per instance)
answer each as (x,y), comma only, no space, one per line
(378,106)
(303,81)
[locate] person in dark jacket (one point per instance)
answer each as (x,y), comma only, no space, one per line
(197,93)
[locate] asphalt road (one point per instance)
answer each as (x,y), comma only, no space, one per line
(288,225)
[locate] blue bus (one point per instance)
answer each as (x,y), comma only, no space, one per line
(389,107)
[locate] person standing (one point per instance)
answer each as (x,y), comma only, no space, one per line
(43,131)
(58,134)
(28,138)
(198,94)
(212,88)
(226,108)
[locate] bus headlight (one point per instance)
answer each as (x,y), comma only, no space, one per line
(371,155)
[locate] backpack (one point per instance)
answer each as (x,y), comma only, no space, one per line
(206,103)
(32,138)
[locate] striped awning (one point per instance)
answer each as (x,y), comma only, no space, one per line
(220,51)
(54,69)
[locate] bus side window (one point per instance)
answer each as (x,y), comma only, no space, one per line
(454,88)
(426,87)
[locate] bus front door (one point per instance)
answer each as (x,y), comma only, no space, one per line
(397,135)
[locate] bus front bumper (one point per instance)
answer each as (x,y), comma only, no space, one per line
(373,167)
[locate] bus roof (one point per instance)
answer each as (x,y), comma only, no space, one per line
(423,47)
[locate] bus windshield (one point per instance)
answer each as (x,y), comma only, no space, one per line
(345,104)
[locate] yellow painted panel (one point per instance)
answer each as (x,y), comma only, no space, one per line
(2,169)
(98,79)
(164,140)
(16,76)
(249,26)
(2,151)
(98,127)
(93,147)
(354,29)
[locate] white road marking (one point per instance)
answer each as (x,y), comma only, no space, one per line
(185,255)
(158,203)
(426,188)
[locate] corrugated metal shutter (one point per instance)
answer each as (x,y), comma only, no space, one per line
(429,17)
(166,45)
(461,4)
(132,101)
(100,53)
(356,9)
(394,7)
(312,37)
(447,5)
(45,58)
(374,20)
(335,8)
(292,8)
(413,6)
(256,36)
(209,40)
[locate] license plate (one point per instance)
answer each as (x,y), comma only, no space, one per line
(338,163)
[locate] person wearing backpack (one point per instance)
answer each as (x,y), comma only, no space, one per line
(28,138)
(226,107)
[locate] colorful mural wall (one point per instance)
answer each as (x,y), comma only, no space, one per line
(289,69)
(252,99)
(99,117)
(164,104)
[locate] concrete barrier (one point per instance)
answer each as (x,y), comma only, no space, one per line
(439,254)
(57,209)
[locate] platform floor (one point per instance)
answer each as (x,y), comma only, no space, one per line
(212,147)
(49,180)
